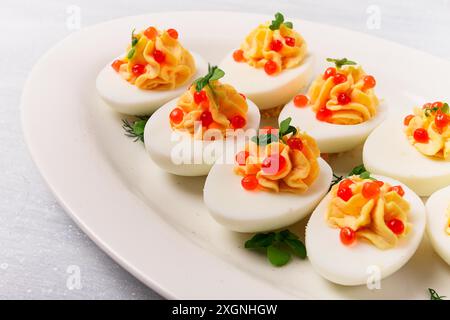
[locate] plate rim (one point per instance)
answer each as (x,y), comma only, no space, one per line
(36,156)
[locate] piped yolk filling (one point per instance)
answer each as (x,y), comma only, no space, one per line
(215,109)
(344,96)
(447,227)
(273,50)
(428,130)
(370,210)
(156,60)
(289,165)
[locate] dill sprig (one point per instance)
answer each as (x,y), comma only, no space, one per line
(135,128)
(434,295)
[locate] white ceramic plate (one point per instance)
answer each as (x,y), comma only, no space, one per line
(155,224)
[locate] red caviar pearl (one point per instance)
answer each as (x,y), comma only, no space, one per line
(339,78)
(442,120)
(138,69)
(289,41)
(301,100)
(379,183)
(421,135)
(396,226)
(159,56)
(398,189)
(151,33)
(238,122)
(346,183)
(345,193)
(427,105)
(200,96)
(273,164)
(347,235)
(295,143)
(241,157)
(249,182)
(343,99)
(177,115)
(276,45)
(437,104)
(270,67)
(370,190)
(238,55)
(173,33)
(408,119)
(116,65)
(323,114)
(206,118)
(369,82)
(330,72)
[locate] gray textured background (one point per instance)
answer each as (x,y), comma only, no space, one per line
(38,241)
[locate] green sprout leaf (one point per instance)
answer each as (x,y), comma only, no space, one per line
(286,128)
(356,171)
(264,139)
(135,128)
(276,23)
(445,108)
(278,246)
(289,24)
(341,62)
(214,73)
(134,42)
(260,240)
(277,256)
(434,295)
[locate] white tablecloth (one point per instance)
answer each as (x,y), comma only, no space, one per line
(41,250)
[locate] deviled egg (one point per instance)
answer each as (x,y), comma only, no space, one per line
(188,134)
(364,230)
(438,226)
(155,69)
(276,180)
(341,108)
(271,65)
(414,149)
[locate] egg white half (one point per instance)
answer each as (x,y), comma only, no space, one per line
(255,211)
(167,147)
(128,99)
(332,138)
(388,152)
(353,265)
(437,206)
(267,91)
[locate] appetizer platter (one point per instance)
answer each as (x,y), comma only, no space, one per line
(271,158)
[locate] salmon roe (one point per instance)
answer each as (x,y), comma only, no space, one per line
(151,33)
(173,33)
(176,116)
(398,189)
(421,135)
(301,100)
(323,114)
(238,122)
(241,157)
(295,143)
(370,190)
(116,65)
(270,67)
(329,72)
(238,55)
(408,119)
(273,164)
(138,69)
(249,182)
(396,226)
(200,96)
(347,235)
(339,78)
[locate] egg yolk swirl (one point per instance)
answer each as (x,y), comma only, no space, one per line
(263,45)
(158,63)
(216,110)
(447,227)
(436,140)
(369,217)
(360,103)
(295,174)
